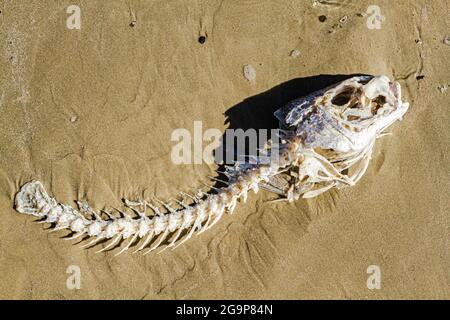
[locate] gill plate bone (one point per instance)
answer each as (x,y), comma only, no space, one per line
(327,139)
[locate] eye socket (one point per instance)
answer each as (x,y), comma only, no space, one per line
(343,97)
(378,103)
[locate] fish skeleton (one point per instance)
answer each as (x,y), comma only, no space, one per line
(326,139)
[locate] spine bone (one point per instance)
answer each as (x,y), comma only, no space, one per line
(197,217)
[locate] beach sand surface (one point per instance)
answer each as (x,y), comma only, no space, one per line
(90,113)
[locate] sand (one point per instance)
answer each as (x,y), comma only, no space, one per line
(90,113)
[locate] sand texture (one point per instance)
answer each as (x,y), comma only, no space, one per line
(90,113)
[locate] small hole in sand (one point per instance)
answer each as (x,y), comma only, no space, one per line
(201,39)
(322,18)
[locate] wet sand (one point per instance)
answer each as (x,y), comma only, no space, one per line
(90,113)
